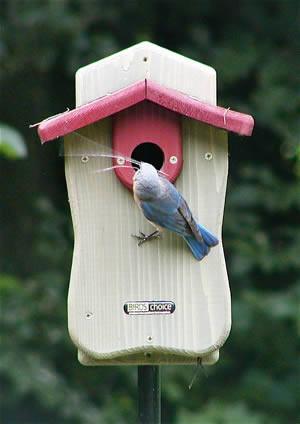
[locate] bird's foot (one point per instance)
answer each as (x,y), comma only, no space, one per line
(142,238)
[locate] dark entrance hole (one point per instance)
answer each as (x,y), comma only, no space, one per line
(150,153)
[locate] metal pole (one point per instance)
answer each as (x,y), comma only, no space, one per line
(149,394)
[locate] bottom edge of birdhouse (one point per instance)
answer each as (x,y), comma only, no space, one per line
(150,358)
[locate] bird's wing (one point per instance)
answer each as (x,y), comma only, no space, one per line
(186,213)
(169,211)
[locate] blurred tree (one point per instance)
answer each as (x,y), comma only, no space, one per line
(255,48)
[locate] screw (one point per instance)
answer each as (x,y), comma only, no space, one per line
(88,315)
(120,161)
(173,160)
(208,156)
(149,339)
(84,159)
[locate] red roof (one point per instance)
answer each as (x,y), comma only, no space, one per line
(171,99)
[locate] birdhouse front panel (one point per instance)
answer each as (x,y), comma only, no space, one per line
(153,303)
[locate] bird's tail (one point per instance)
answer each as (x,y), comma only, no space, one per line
(201,248)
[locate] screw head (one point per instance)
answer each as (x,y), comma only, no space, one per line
(208,156)
(149,339)
(89,315)
(84,159)
(120,161)
(173,160)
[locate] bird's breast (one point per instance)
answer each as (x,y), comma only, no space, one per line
(146,191)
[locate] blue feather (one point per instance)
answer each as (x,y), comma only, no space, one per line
(208,237)
(201,249)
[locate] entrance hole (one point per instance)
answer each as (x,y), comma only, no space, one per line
(150,153)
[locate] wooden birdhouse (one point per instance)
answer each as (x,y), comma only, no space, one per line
(155,303)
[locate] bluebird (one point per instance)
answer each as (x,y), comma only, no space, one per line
(164,207)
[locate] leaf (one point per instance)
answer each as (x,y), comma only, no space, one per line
(12,144)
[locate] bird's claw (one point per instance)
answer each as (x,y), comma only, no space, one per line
(142,238)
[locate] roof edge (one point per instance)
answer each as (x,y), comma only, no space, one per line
(176,101)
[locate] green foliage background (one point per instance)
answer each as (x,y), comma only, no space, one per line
(255,47)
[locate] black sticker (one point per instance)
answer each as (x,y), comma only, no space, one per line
(154,307)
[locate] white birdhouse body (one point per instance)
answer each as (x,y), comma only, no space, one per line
(155,303)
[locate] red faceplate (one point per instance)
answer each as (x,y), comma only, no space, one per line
(147,122)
